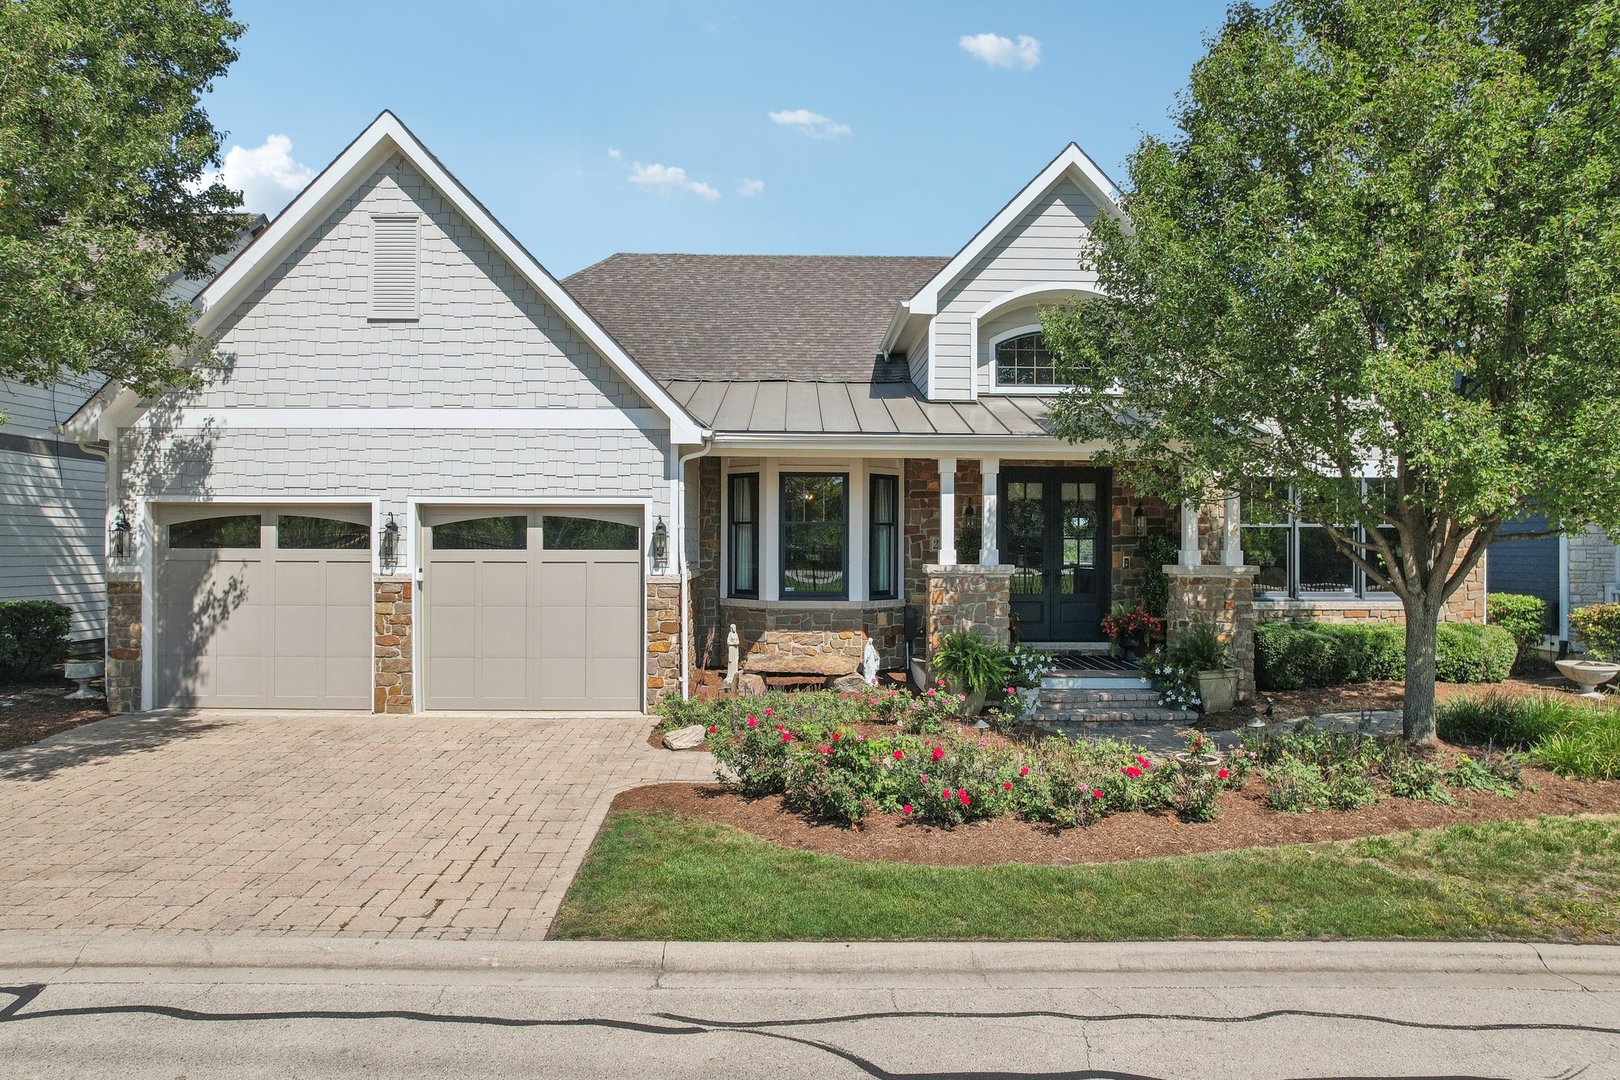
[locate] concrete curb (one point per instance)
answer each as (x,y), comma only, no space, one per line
(670,964)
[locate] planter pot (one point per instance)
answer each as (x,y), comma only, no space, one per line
(1029,699)
(1218,690)
(83,672)
(974,704)
(1588,674)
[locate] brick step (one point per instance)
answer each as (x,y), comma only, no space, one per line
(1095,681)
(1079,719)
(1080,699)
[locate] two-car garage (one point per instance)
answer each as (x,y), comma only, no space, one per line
(517,609)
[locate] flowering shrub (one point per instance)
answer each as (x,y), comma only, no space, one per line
(1129,624)
(1026,665)
(1176,683)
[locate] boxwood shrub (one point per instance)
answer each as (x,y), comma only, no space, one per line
(1307,655)
(33,638)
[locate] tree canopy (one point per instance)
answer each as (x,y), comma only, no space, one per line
(1381,242)
(104,153)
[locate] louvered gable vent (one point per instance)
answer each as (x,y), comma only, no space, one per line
(396,255)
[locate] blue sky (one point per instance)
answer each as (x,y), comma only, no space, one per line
(589,128)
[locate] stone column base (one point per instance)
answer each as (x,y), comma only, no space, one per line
(969,597)
(391,670)
(1223,595)
(663,632)
(123,674)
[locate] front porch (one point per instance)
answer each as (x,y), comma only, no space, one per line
(810,560)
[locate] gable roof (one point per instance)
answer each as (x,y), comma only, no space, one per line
(794,318)
(1072,162)
(385,137)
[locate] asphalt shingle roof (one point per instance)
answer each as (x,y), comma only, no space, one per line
(787,318)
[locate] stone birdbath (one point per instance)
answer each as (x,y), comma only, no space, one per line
(1589,674)
(83,672)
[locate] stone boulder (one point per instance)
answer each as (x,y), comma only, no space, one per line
(780,663)
(686,738)
(750,685)
(851,684)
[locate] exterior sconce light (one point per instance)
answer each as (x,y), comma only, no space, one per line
(1139,521)
(660,544)
(119,549)
(388,546)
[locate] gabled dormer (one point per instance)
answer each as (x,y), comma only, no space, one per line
(974,328)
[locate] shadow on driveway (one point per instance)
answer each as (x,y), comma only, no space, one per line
(113,737)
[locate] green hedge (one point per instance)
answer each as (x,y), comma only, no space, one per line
(1307,655)
(33,638)
(1525,617)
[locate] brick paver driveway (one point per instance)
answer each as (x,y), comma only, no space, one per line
(313,825)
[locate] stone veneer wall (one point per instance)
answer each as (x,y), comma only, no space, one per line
(123,672)
(922,524)
(815,638)
(1223,595)
(1467,604)
(663,632)
(1592,567)
(393,625)
(969,597)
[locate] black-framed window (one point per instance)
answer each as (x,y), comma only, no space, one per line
(1022,360)
(884,550)
(742,510)
(815,536)
(1297,559)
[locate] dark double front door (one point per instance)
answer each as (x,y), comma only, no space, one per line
(1054,532)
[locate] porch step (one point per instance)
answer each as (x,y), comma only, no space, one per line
(1071,702)
(1114,681)
(1077,723)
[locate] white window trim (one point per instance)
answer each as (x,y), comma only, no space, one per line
(995,375)
(858,496)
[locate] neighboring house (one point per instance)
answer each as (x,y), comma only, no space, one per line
(429,476)
(52,496)
(53,490)
(1567,571)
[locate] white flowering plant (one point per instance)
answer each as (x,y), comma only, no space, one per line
(1177,683)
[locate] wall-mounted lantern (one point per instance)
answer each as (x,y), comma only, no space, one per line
(1139,521)
(388,545)
(660,544)
(119,548)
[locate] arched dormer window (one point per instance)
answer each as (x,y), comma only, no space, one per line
(1022,360)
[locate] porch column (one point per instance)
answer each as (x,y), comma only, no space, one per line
(989,527)
(1189,534)
(1232,531)
(947,511)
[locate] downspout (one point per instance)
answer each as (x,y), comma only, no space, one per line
(679,513)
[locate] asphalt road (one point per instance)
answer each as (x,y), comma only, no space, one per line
(765,1011)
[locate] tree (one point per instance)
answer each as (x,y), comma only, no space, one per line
(104,147)
(1382,242)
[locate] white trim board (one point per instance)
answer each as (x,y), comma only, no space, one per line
(445,418)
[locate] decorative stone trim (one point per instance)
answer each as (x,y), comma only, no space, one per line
(663,634)
(969,597)
(123,674)
(392,670)
(815,638)
(1223,595)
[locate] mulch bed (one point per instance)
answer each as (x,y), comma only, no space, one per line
(1245,821)
(31,713)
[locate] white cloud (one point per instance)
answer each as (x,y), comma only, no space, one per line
(268,176)
(998,51)
(808,123)
(749,188)
(668,179)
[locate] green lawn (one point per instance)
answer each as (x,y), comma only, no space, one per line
(662,876)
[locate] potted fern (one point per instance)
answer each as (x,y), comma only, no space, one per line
(971,665)
(1201,648)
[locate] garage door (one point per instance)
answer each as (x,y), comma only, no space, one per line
(263,608)
(532,609)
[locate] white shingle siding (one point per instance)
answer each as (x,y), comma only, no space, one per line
(1043,247)
(482,338)
(304,338)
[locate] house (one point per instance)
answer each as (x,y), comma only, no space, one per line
(53,490)
(427,475)
(1566,570)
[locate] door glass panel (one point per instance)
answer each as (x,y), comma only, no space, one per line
(483,534)
(586,534)
(296,531)
(235,531)
(1026,535)
(1079,517)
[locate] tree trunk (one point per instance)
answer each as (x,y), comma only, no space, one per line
(1417,713)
